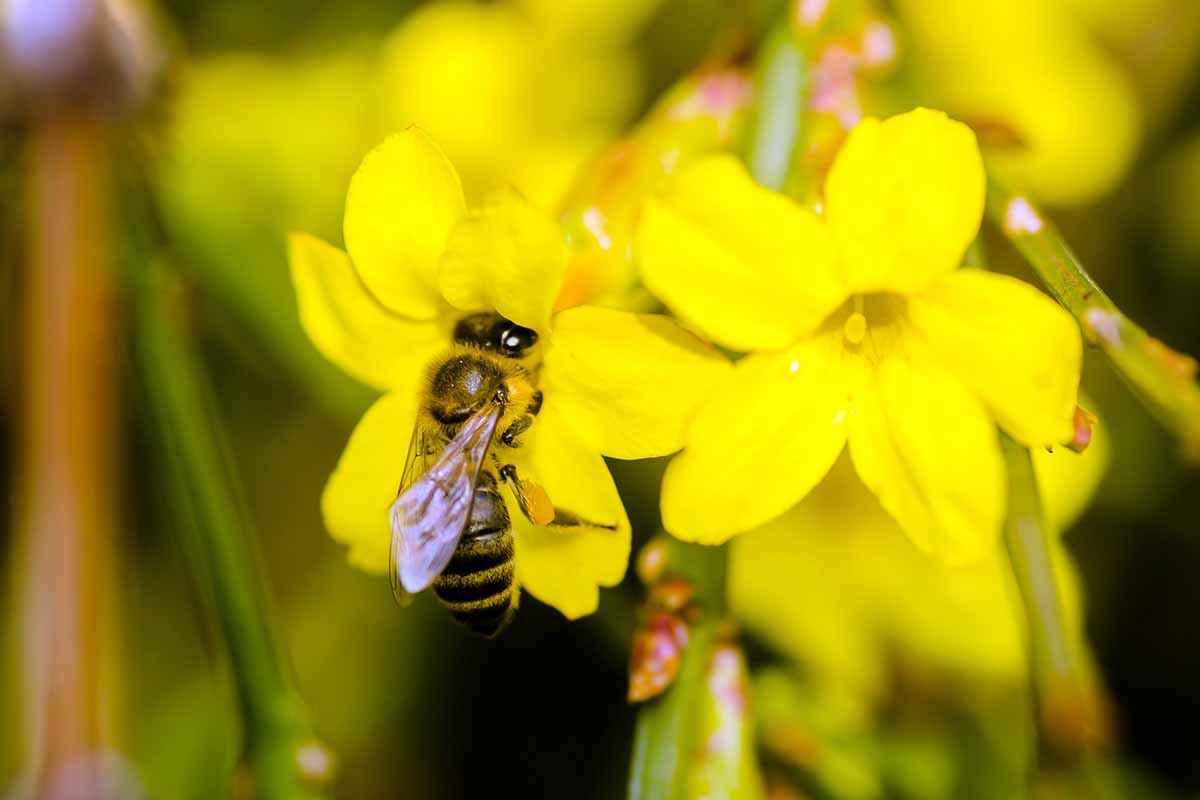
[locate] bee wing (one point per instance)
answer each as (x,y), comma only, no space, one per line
(416,464)
(429,516)
(417,461)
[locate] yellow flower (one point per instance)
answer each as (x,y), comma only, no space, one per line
(616,383)
(595,21)
(861,332)
(511,96)
(834,585)
(1028,71)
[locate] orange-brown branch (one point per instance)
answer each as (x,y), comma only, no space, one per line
(67,460)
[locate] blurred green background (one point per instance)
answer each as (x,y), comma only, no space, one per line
(267,108)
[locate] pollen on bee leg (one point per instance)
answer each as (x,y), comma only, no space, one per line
(855,328)
(541,510)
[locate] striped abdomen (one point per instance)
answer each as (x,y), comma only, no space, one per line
(477,585)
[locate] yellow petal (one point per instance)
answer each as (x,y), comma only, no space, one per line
(904,199)
(836,585)
(927,449)
(348,325)
(747,266)
(767,436)
(400,208)
(788,584)
(628,382)
(356,498)
(565,567)
(1013,346)
(507,256)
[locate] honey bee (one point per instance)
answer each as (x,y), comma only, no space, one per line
(450,523)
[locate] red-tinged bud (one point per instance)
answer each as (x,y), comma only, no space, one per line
(807,15)
(726,758)
(658,646)
(835,83)
(671,594)
(719,95)
(1083,426)
(996,133)
(652,560)
(1075,718)
(1100,326)
(779,790)
(879,46)
(793,744)
(315,764)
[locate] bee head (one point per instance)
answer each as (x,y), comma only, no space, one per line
(493,332)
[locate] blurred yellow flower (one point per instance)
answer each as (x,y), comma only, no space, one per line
(596,21)
(861,332)
(834,585)
(510,96)
(1056,114)
(1119,19)
(616,383)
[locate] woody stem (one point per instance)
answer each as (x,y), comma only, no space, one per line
(65,496)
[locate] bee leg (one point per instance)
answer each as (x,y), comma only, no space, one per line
(569,519)
(509,437)
(536,506)
(519,426)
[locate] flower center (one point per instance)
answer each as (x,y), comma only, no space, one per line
(855,328)
(870,324)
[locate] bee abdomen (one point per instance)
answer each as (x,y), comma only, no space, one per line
(473,586)
(477,586)
(486,617)
(483,601)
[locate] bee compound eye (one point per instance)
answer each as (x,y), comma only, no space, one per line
(515,339)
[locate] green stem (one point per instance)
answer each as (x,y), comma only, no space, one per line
(1162,378)
(782,83)
(1026,538)
(283,757)
(1068,710)
(669,727)
(976,256)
